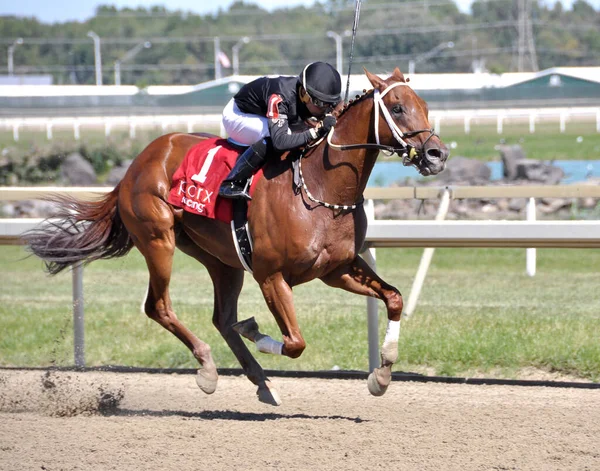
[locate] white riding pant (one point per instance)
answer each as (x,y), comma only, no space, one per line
(243,128)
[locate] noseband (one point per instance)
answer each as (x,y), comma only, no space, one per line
(407,152)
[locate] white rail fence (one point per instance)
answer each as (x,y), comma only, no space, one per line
(529,234)
(167,123)
(192,123)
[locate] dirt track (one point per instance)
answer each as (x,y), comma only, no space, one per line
(164,422)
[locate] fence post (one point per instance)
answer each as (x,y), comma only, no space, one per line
(49,130)
(467,124)
(532,123)
(531,253)
(415,291)
(131,128)
(563,121)
(16,132)
(372,308)
(78,318)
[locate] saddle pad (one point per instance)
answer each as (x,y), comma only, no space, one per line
(195,184)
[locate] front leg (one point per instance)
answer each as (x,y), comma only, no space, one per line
(357,277)
(279,298)
(278,295)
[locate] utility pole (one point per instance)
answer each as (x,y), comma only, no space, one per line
(97,56)
(11,51)
(428,55)
(127,56)
(338,38)
(235,54)
(526,43)
(521,36)
(530,40)
(217,43)
(338,49)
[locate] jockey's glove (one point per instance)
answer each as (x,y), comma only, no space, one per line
(327,123)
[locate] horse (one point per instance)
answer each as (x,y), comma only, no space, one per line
(312,230)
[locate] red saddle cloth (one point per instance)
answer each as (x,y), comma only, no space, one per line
(196,182)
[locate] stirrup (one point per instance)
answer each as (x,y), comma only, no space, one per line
(234,190)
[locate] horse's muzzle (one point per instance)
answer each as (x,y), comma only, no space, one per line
(433,160)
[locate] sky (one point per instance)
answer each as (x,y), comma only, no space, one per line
(52,11)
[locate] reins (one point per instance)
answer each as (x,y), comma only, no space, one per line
(408,151)
(318,201)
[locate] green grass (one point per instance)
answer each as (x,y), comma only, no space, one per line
(547,143)
(478,312)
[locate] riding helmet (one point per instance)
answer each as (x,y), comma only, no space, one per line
(322,81)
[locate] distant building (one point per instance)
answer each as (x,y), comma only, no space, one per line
(558,86)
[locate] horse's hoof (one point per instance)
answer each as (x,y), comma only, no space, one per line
(379,380)
(267,394)
(207,381)
(247,328)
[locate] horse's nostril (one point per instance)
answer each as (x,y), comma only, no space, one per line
(434,152)
(437,153)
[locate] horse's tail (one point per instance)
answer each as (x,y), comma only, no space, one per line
(80,231)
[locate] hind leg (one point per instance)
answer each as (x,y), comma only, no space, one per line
(227,282)
(151,229)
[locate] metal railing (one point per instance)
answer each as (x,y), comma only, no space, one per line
(382,233)
(194,122)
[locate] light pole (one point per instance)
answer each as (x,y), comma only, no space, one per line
(428,55)
(217,43)
(235,54)
(11,51)
(129,55)
(338,47)
(97,56)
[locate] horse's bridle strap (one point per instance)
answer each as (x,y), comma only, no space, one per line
(369,146)
(406,151)
(378,100)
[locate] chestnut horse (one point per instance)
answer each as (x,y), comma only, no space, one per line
(314,232)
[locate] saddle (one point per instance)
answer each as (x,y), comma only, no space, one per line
(195,188)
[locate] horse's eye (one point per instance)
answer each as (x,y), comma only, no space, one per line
(397,109)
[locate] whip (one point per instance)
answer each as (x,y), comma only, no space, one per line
(354,28)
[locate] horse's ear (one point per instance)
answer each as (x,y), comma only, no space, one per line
(374,79)
(398,75)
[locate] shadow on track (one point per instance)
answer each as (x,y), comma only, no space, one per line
(228,415)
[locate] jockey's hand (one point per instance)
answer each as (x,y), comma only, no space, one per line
(327,123)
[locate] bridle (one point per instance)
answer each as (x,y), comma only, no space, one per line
(407,152)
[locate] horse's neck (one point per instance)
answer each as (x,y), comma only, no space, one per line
(340,177)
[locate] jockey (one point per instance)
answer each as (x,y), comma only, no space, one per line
(278,110)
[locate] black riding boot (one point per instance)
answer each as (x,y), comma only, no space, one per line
(236,183)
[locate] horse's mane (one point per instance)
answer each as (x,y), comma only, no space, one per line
(357,99)
(339,112)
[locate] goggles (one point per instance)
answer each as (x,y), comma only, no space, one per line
(318,103)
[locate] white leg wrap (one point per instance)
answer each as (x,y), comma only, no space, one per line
(267,345)
(392,334)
